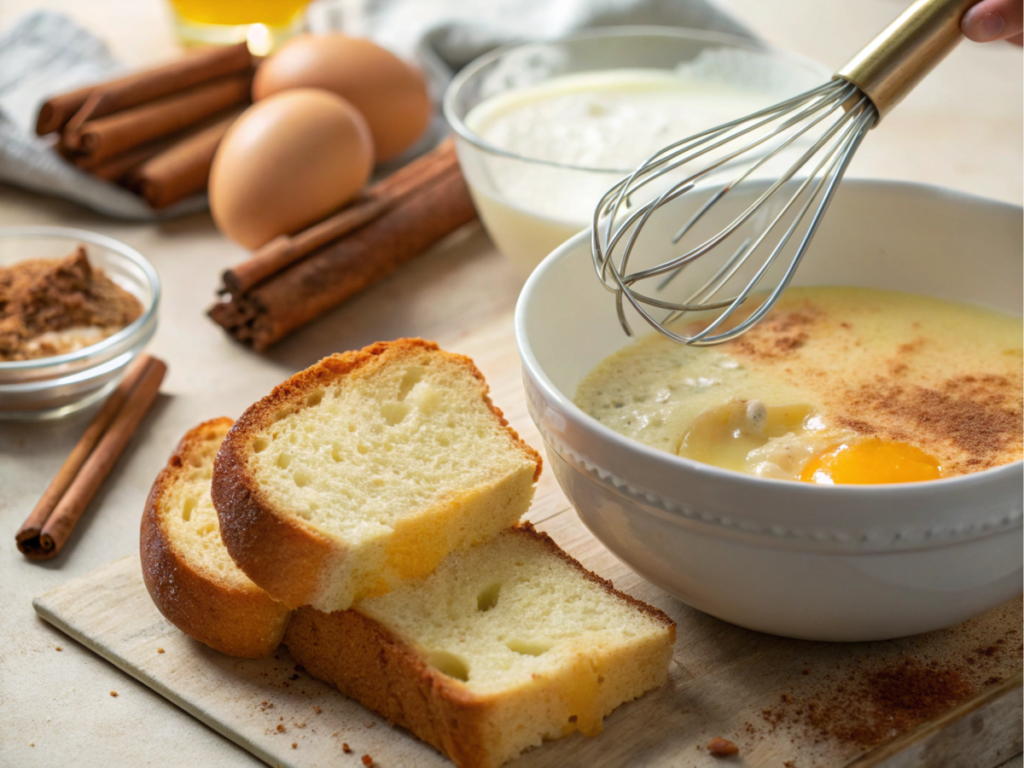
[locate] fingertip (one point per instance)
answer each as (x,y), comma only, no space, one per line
(981,26)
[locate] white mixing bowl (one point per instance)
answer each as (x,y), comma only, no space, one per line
(841,563)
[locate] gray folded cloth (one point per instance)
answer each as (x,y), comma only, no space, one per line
(42,55)
(45,53)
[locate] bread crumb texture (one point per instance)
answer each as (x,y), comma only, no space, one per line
(190,575)
(187,511)
(719,747)
(497,614)
(512,640)
(395,453)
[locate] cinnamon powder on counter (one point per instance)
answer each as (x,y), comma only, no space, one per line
(868,708)
(55,306)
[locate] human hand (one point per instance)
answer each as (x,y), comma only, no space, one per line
(994,20)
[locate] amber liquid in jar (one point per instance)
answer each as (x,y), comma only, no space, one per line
(264,24)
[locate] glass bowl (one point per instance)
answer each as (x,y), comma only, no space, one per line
(530,206)
(51,387)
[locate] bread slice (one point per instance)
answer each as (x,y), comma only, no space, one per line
(504,645)
(189,574)
(368,468)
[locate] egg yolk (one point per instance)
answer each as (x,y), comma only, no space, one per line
(871,462)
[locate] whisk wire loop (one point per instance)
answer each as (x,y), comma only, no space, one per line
(753,208)
(681,261)
(827,123)
(830,121)
(837,158)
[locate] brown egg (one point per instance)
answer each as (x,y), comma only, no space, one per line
(286,163)
(391,94)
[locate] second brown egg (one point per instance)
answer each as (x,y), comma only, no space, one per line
(390,94)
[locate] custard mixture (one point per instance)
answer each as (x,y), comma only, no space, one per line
(836,385)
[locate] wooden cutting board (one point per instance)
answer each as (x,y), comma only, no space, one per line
(952,697)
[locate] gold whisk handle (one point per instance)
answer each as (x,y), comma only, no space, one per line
(892,64)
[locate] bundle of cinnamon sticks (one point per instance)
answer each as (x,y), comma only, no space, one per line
(154,132)
(294,279)
(65,500)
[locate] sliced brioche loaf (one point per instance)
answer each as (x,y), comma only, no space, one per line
(504,645)
(189,574)
(366,469)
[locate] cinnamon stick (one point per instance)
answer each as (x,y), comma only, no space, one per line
(325,278)
(33,526)
(181,169)
(114,168)
(141,87)
(284,250)
(48,527)
(108,136)
(55,112)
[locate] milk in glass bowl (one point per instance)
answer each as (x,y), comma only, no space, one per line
(544,129)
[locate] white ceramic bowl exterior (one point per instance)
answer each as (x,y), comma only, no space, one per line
(842,563)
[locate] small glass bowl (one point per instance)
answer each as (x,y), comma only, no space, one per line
(51,387)
(523,229)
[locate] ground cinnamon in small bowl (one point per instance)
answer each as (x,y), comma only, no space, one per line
(55,306)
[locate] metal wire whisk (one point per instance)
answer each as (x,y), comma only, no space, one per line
(823,126)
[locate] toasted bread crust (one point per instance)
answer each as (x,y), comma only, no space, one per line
(284,555)
(236,621)
(367,662)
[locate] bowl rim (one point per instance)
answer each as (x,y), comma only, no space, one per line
(683,33)
(889,491)
(104,241)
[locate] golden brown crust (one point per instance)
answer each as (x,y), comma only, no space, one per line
(233,620)
(284,555)
(367,662)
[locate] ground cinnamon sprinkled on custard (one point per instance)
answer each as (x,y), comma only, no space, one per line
(780,333)
(969,422)
(979,417)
